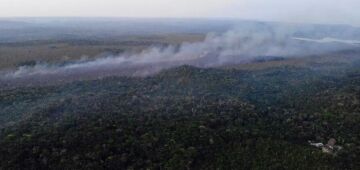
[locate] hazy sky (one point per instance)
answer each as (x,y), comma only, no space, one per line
(314,11)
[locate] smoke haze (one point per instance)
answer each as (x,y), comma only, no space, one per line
(306,11)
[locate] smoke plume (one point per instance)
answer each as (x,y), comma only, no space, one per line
(232,47)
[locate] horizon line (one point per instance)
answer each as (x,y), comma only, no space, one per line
(177,18)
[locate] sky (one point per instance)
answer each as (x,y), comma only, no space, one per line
(303,11)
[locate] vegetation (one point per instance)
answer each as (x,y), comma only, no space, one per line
(187,118)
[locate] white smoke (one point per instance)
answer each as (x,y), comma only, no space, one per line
(330,40)
(232,47)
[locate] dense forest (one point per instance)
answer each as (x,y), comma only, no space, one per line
(187,118)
